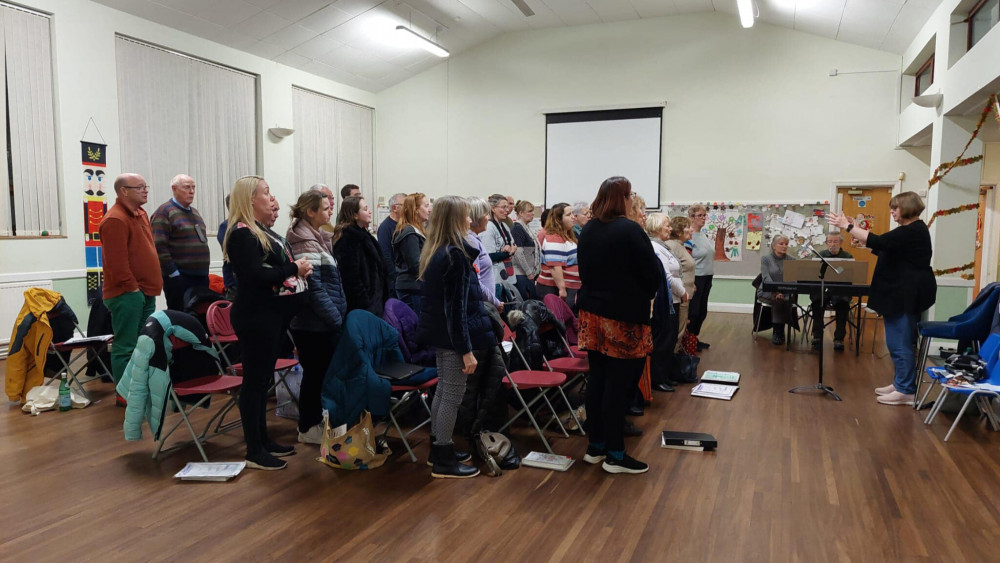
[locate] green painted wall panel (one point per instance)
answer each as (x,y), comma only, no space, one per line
(950,302)
(74,291)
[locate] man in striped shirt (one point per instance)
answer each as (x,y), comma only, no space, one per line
(181,243)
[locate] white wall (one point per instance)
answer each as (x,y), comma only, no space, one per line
(750,114)
(84,38)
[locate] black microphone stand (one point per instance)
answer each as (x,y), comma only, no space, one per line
(822,303)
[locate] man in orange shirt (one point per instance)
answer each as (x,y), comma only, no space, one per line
(131,268)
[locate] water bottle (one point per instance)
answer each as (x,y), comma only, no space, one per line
(65,403)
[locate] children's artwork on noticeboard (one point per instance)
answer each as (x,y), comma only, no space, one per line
(864,221)
(734,227)
(742,232)
(755,225)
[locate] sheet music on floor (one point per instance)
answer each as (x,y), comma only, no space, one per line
(89,339)
(213,471)
(715,391)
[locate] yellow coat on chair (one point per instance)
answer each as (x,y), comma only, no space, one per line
(29,342)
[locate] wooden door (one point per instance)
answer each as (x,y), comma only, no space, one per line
(869,206)
(984,194)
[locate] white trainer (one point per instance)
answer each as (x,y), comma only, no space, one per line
(896,398)
(885,390)
(312,436)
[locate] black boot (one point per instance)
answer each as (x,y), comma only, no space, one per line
(446,465)
(462,457)
(511,460)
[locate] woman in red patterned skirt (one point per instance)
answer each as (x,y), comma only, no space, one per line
(620,275)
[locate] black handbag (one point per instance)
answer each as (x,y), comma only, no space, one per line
(685,368)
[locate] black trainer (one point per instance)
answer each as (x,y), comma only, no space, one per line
(265,462)
(624,465)
(278,450)
(838,345)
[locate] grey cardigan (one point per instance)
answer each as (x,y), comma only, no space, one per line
(772,269)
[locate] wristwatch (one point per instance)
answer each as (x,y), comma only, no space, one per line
(850,226)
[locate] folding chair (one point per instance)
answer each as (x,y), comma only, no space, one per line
(401,403)
(222,335)
(565,315)
(982,396)
(71,350)
(522,380)
(576,369)
(207,386)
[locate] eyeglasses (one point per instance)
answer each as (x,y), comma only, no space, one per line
(140,188)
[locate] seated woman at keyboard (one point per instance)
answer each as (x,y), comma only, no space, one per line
(772,269)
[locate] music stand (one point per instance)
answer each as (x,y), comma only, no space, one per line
(822,295)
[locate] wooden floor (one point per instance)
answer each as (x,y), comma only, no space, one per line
(796,478)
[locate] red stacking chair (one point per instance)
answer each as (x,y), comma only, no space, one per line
(403,396)
(543,381)
(222,334)
(228,385)
(565,315)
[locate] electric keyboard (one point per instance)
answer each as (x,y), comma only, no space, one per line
(803,288)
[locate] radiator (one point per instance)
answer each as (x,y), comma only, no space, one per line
(11,301)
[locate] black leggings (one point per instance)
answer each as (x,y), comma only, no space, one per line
(699,304)
(484,406)
(610,385)
(315,352)
(260,339)
(664,340)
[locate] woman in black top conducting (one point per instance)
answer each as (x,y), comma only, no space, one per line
(903,287)
(620,275)
(270,290)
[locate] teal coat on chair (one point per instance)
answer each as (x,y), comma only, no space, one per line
(351,384)
(146,381)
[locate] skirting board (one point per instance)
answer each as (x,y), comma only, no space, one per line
(746,308)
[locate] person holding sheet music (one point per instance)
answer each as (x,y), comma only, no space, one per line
(772,269)
(841,304)
(903,287)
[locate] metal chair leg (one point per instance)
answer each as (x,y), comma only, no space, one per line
(921,364)
(959,417)
(937,406)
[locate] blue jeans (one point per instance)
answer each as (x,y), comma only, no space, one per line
(901,340)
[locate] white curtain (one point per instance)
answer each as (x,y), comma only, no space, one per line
(31,205)
(180,115)
(333,143)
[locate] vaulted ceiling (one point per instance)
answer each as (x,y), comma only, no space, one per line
(343,40)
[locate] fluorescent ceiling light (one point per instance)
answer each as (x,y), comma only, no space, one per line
(418,40)
(746,12)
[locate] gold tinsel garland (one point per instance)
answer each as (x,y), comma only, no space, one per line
(952,211)
(992,106)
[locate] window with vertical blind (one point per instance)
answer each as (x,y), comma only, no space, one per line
(182,115)
(31,206)
(334,144)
